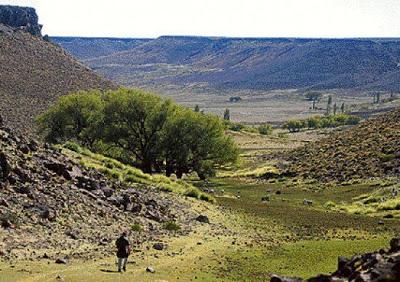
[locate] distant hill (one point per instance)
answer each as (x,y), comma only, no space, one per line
(35,72)
(371,149)
(245,63)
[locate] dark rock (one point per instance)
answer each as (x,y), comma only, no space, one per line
(24,18)
(4,167)
(61,261)
(395,244)
(203,219)
(158,246)
(87,183)
(59,168)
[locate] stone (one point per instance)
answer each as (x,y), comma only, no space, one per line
(150,269)
(395,244)
(203,219)
(158,246)
(61,261)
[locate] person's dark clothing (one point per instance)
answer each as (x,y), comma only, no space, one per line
(122,244)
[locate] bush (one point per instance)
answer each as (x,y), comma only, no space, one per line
(265,129)
(193,193)
(136,227)
(171,226)
(73,147)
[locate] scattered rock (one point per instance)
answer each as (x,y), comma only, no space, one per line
(203,219)
(150,269)
(61,261)
(159,246)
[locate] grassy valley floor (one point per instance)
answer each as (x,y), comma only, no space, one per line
(247,240)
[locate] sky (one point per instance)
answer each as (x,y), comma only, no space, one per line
(231,18)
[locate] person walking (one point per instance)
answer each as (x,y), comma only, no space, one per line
(123,251)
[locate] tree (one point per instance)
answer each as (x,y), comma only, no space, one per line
(294,125)
(196,142)
(334,109)
(197,108)
(342,108)
(75,116)
(142,129)
(314,97)
(134,121)
(329,105)
(227,115)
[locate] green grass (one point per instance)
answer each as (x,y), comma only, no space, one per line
(302,259)
(131,175)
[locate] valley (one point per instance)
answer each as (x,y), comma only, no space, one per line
(220,159)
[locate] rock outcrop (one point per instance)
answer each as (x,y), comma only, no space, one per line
(24,18)
(383,265)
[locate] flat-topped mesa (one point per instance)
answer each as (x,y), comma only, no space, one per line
(24,18)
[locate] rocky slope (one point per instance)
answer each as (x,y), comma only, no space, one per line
(371,149)
(51,206)
(251,63)
(383,265)
(35,72)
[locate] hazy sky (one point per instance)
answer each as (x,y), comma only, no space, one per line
(254,18)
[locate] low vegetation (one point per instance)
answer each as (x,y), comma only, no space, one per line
(131,175)
(315,122)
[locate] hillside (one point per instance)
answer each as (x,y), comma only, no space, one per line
(34,73)
(51,204)
(248,63)
(371,149)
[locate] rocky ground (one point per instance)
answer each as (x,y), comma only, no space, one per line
(52,207)
(383,265)
(371,149)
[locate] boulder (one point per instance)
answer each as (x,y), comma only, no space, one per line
(203,219)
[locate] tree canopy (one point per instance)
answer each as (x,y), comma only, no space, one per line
(149,132)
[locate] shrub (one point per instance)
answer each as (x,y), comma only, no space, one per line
(265,129)
(193,193)
(136,227)
(73,147)
(171,226)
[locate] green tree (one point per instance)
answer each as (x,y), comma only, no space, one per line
(196,142)
(227,115)
(134,121)
(334,109)
(342,109)
(197,108)
(294,125)
(76,116)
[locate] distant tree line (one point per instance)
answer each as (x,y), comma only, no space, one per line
(141,129)
(295,125)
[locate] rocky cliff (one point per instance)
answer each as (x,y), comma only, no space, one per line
(24,18)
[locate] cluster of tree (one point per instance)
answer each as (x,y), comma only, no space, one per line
(141,129)
(263,129)
(321,122)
